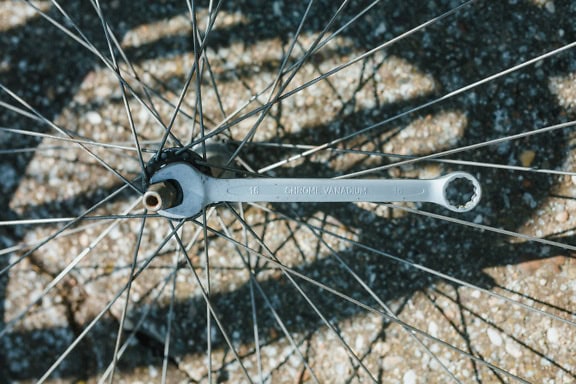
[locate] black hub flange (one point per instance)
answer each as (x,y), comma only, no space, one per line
(174,155)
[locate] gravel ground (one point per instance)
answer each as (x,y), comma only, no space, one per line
(50,178)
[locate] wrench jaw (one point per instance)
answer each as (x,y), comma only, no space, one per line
(459,192)
(190,183)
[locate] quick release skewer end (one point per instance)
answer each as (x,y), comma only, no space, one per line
(159,196)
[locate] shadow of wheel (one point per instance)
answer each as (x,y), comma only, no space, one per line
(454,53)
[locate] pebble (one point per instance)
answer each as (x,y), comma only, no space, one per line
(529,200)
(494,337)
(552,335)
(433,329)
(94,118)
(360,343)
(9,177)
(409,377)
(562,216)
(391,362)
(527,158)
(513,348)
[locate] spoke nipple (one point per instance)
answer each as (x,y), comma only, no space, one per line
(159,196)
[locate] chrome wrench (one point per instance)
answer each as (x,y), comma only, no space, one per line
(197,190)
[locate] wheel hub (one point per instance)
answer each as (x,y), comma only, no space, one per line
(162,195)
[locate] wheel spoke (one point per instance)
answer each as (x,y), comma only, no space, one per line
(69,267)
(225,125)
(107,34)
(213,314)
(90,326)
(411,111)
(295,274)
(116,356)
(444,276)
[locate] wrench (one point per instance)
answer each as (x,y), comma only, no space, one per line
(198,190)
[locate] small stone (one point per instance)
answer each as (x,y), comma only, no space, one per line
(409,377)
(360,343)
(552,335)
(94,118)
(527,158)
(9,177)
(433,329)
(562,217)
(529,200)
(391,362)
(513,348)
(494,337)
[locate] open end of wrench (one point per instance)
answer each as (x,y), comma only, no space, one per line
(461,192)
(190,183)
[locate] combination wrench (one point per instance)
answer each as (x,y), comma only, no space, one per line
(180,191)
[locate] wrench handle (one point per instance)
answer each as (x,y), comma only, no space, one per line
(342,190)
(320,190)
(457,191)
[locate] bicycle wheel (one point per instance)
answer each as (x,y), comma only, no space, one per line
(94,98)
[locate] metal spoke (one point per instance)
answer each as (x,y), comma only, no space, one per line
(64,228)
(289,271)
(95,321)
(253,283)
(63,273)
(206,298)
(62,131)
(226,124)
(306,297)
(107,34)
(116,355)
(170,319)
(438,274)
(428,104)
